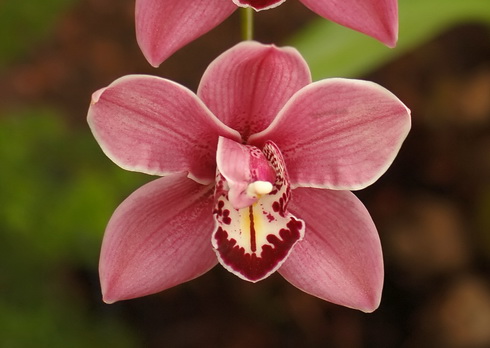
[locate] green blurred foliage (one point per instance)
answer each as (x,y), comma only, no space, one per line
(57,191)
(332,50)
(56,186)
(24,23)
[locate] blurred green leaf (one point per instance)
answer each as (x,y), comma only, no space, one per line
(53,322)
(57,189)
(332,50)
(57,192)
(23,23)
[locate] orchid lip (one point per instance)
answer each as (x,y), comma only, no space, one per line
(254,231)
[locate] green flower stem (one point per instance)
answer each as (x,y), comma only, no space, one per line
(247,21)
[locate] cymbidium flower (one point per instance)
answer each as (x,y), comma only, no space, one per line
(256,171)
(164,26)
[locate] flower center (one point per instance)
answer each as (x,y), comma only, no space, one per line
(259,5)
(254,231)
(247,173)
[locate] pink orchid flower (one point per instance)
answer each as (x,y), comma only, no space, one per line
(256,171)
(164,26)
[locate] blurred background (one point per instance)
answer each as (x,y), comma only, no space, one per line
(57,189)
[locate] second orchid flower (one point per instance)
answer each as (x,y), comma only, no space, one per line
(164,26)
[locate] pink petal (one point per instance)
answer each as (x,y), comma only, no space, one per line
(338,133)
(164,26)
(253,242)
(246,86)
(340,258)
(376,18)
(156,126)
(259,5)
(157,238)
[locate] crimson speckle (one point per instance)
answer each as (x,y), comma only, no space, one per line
(276,207)
(270,217)
(219,208)
(226,217)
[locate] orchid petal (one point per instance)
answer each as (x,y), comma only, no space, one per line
(338,133)
(340,258)
(259,5)
(253,242)
(376,18)
(164,26)
(246,86)
(155,126)
(157,238)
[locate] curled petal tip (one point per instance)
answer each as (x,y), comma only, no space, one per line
(107,301)
(108,294)
(96,95)
(154,59)
(369,309)
(392,40)
(371,299)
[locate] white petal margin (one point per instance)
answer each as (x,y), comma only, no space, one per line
(157,238)
(247,85)
(340,259)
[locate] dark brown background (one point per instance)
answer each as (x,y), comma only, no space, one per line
(432,207)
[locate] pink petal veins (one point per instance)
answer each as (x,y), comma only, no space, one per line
(155,126)
(376,18)
(157,238)
(246,86)
(254,241)
(340,259)
(164,26)
(338,134)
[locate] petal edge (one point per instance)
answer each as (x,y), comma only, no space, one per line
(156,240)
(340,259)
(164,26)
(339,134)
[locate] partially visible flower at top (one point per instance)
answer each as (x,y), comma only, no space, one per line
(164,26)
(256,166)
